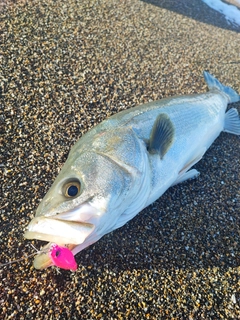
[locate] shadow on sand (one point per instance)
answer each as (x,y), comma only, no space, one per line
(198,10)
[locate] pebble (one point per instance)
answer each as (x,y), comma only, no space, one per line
(64,67)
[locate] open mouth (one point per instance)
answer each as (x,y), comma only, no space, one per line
(59,231)
(62,232)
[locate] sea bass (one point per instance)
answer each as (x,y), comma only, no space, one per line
(125,163)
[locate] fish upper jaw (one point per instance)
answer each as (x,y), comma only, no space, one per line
(83,213)
(72,226)
(58,231)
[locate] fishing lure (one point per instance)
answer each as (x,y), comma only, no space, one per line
(62,257)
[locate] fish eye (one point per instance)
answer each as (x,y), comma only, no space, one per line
(71,189)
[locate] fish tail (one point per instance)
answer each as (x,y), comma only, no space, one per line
(213,83)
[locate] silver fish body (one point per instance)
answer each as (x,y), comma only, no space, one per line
(127,162)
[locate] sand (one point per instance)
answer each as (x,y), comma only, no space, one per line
(64,67)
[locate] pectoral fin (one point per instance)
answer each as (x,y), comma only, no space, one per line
(162,135)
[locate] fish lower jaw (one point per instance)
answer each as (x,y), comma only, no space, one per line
(43,259)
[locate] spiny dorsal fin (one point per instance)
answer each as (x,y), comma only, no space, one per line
(161,136)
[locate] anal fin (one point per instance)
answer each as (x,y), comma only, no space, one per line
(232,122)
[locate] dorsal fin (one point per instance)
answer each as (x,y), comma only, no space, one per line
(213,83)
(162,135)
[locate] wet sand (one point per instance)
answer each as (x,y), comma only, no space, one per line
(64,67)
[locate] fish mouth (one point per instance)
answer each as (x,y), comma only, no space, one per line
(58,231)
(62,232)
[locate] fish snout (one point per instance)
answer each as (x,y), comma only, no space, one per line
(58,231)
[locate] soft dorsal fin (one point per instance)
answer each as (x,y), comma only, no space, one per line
(161,136)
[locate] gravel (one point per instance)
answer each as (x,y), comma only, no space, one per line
(64,67)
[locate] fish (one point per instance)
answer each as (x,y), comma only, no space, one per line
(124,164)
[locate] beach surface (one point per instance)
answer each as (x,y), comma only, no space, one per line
(64,67)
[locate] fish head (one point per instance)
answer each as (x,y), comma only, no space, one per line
(75,211)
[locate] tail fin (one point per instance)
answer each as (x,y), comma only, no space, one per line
(213,83)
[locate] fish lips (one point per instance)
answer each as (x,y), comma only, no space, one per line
(58,231)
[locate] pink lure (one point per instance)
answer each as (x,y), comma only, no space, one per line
(62,257)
